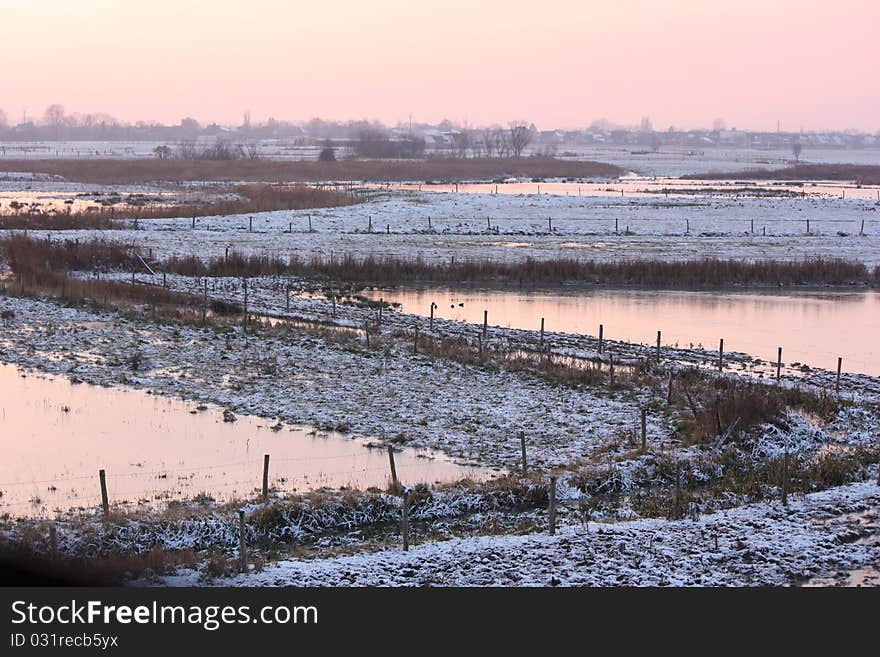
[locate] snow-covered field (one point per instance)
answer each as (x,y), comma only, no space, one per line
(758,545)
(680,161)
(668,161)
(475,414)
(274,148)
(518,227)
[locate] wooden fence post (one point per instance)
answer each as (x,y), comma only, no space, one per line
(611,370)
(552,514)
(601,334)
(644,427)
(675,506)
(242,543)
(205,302)
(778,364)
(245,315)
(658,346)
(839,365)
(394,483)
(405,521)
(721,355)
(542,331)
(522,442)
(265,477)
(785,478)
(485,322)
(104,503)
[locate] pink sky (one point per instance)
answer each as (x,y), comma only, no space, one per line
(806,63)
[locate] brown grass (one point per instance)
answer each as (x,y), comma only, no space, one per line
(738,406)
(27,255)
(116,295)
(865,174)
(716,406)
(252,198)
(690,274)
(106,172)
(41,269)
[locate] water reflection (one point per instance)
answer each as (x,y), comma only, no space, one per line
(655,187)
(55,437)
(812,327)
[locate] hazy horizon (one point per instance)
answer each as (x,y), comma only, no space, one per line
(681,63)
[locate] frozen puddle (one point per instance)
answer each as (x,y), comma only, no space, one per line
(56,436)
(814,328)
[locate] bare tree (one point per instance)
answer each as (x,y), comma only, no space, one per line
(162,152)
(328,153)
(502,142)
(487,137)
(186,150)
(252,149)
(54,117)
(461,142)
(520,135)
(796,149)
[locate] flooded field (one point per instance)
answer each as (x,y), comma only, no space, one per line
(639,186)
(15,202)
(814,328)
(56,436)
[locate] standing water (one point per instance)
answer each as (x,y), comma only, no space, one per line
(56,436)
(814,328)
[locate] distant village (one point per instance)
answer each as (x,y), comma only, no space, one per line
(374,139)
